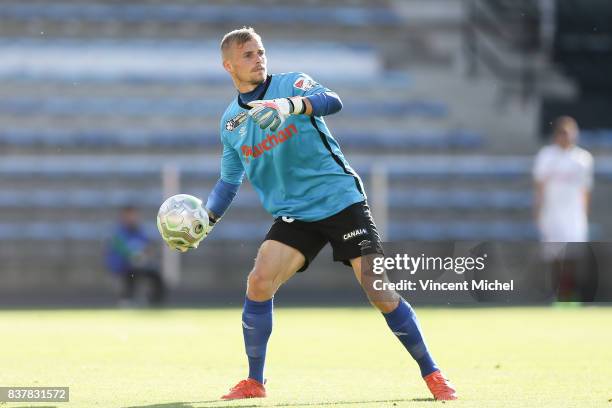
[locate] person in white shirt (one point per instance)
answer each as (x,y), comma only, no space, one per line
(563,176)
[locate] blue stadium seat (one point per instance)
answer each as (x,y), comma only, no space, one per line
(68,61)
(452,139)
(462,230)
(126,107)
(236,230)
(471,167)
(430,199)
(460,199)
(438,167)
(201,13)
(98,231)
(596,139)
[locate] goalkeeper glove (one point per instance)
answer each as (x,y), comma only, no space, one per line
(273,113)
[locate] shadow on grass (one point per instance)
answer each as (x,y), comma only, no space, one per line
(289,404)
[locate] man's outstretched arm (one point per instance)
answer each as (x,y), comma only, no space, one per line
(226,188)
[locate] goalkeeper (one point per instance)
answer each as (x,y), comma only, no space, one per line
(274,133)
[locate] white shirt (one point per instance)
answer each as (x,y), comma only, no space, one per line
(566,175)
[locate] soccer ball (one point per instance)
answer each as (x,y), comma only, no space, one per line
(182,221)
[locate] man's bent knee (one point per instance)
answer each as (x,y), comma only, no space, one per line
(259,286)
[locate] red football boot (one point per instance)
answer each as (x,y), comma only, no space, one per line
(440,387)
(248,388)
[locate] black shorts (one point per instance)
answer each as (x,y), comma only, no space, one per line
(351,233)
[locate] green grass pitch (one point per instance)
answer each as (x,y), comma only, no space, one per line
(317,357)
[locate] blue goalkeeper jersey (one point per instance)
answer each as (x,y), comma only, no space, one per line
(298,171)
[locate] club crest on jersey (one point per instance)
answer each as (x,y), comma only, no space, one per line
(236,121)
(305,84)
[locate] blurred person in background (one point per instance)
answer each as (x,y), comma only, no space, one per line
(563,179)
(131,258)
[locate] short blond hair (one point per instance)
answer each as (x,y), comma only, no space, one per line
(563,121)
(238,37)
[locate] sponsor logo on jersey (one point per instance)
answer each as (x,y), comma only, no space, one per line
(269,143)
(305,84)
(236,121)
(353,234)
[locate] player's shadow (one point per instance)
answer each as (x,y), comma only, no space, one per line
(263,405)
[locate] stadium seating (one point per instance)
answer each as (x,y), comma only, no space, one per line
(66,12)
(180,139)
(440,167)
(101,202)
(62,106)
(434,199)
(99,96)
(122,112)
(237,231)
(176,59)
